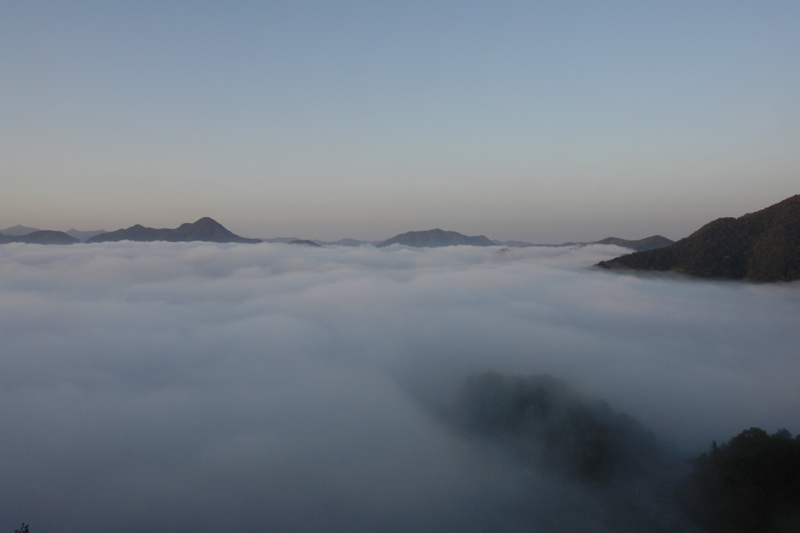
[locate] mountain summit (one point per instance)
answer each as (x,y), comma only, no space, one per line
(760,246)
(18,231)
(205,229)
(435,238)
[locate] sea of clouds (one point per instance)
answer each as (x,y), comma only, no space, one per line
(271,387)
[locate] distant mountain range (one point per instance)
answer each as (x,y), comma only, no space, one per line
(84,235)
(340,242)
(280,240)
(40,237)
(648,243)
(305,242)
(514,244)
(760,246)
(18,231)
(435,238)
(343,242)
(205,229)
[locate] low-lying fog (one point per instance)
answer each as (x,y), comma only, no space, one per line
(202,387)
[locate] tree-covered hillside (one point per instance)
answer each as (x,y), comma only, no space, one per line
(760,246)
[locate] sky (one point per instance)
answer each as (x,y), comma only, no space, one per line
(543,122)
(269,387)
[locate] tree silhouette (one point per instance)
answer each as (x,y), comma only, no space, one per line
(751,484)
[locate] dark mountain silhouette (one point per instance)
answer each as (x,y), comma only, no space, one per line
(648,243)
(544,421)
(751,484)
(18,231)
(83,235)
(283,240)
(760,246)
(297,240)
(40,237)
(435,238)
(305,242)
(205,229)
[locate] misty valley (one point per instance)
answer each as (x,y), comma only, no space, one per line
(196,386)
(399,267)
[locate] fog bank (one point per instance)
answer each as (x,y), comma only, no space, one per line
(199,387)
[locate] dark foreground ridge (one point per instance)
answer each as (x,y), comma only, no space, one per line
(435,238)
(749,485)
(205,229)
(760,246)
(40,237)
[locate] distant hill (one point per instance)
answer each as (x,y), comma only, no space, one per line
(296,240)
(18,231)
(305,242)
(83,235)
(435,238)
(513,244)
(281,239)
(40,237)
(649,243)
(205,229)
(760,246)
(343,242)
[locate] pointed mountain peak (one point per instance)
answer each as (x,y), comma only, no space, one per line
(204,229)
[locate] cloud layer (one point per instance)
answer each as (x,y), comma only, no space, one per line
(197,387)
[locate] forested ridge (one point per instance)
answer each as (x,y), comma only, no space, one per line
(760,246)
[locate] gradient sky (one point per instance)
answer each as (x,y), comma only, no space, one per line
(517,120)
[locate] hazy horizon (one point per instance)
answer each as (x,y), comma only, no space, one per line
(575,240)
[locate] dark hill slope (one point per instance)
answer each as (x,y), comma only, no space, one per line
(205,229)
(435,238)
(40,237)
(760,246)
(134,233)
(83,235)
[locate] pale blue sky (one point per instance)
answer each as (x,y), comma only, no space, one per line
(517,120)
